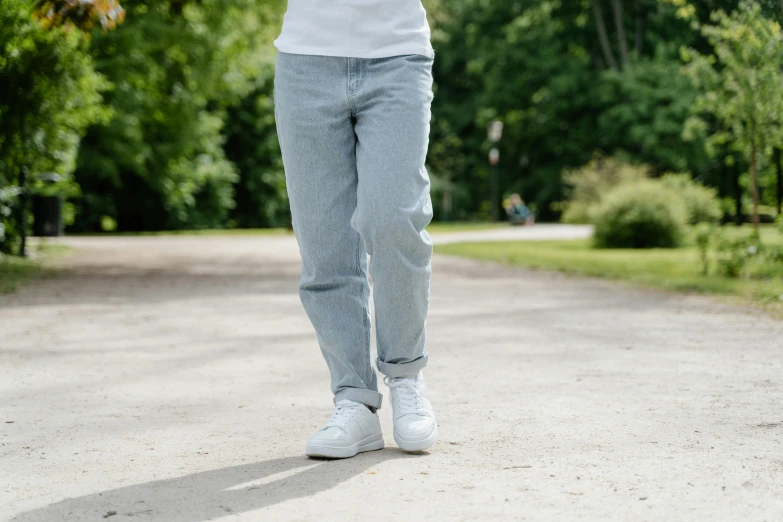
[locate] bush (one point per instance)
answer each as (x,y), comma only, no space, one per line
(591,182)
(640,215)
(9,233)
(701,203)
(735,254)
(738,255)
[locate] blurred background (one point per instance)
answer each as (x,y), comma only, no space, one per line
(158,115)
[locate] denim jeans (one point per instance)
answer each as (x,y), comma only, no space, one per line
(354,135)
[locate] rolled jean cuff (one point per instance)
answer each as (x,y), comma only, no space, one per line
(371,398)
(408,369)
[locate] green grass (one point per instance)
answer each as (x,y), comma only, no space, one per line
(432,228)
(437,228)
(16,271)
(669,269)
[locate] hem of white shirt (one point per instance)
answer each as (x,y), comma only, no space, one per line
(385,52)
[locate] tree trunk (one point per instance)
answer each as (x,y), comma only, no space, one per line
(22,213)
(622,42)
(739,216)
(602,36)
(754,180)
(446,200)
(22,198)
(639,40)
(779,168)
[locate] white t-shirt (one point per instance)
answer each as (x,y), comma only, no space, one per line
(355,28)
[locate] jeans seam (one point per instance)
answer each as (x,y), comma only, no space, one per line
(349,94)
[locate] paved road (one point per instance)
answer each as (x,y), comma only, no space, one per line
(538,232)
(177,379)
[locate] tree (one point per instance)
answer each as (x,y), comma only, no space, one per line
(176,68)
(251,144)
(539,66)
(49,94)
(740,84)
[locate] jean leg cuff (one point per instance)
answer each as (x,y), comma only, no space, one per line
(371,398)
(408,369)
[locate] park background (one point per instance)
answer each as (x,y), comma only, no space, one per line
(656,121)
(156,363)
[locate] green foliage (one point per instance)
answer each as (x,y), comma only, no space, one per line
(519,62)
(588,185)
(734,254)
(702,203)
(646,107)
(176,68)
(49,94)
(9,228)
(740,254)
(740,85)
(775,255)
(251,144)
(640,215)
(537,65)
(185,136)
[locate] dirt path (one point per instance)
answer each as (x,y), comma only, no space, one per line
(177,379)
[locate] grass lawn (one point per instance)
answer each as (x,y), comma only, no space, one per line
(15,271)
(433,228)
(669,269)
(437,228)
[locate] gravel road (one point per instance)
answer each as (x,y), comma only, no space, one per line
(177,379)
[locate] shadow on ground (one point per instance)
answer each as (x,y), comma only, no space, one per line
(215,493)
(97,285)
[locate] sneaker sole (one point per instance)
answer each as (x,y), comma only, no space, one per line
(416,445)
(372,443)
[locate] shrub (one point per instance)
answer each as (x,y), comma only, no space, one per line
(701,203)
(591,182)
(9,233)
(775,256)
(735,254)
(640,215)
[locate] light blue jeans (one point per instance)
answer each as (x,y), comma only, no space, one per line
(354,135)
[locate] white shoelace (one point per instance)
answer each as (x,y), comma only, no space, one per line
(345,412)
(409,400)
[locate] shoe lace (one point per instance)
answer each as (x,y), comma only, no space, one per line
(407,396)
(343,414)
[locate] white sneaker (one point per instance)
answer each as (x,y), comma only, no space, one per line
(352,429)
(415,428)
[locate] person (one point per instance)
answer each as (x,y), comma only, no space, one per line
(353,88)
(518,213)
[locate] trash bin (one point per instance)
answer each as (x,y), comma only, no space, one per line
(47,216)
(47,210)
